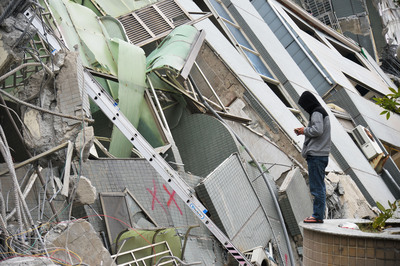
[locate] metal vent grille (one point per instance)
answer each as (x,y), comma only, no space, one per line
(134,29)
(174,13)
(153,22)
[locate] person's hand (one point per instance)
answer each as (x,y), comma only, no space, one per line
(299,131)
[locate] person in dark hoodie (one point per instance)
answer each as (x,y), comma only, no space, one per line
(316,149)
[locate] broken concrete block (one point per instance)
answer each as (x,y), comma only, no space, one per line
(6,57)
(83,143)
(72,98)
(340,189)
(44,131)
(12,38)
(32,123)
(77,243)
(329,188)
(352,201)
(295,201)
(85,193)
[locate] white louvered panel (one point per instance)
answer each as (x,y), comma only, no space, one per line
(154,21)
(135,31)
(173,12)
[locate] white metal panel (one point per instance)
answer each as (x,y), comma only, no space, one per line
(337,65)
(376,187)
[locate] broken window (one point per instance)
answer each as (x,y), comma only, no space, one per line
(364,90)
(286,100)
(323,11)
(393,151)
(123,211)
(345,52)
(342,116)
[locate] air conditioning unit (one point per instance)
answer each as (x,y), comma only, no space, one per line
(366,142)
(257,256)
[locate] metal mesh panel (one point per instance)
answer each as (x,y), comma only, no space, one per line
(225,191)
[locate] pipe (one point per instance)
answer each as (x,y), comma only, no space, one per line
(209,85)
(276,204)
(44,110)
(164,120)
(185,239)
(48,70)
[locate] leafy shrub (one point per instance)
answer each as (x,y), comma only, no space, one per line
(385,214)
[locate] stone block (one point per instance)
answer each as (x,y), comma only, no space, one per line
(85,193)
(77,243)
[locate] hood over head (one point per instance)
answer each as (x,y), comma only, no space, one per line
(310,103)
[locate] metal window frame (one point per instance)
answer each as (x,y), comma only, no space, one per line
(233,39)
(123,195)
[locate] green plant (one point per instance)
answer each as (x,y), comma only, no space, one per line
(380,221)
(389,102)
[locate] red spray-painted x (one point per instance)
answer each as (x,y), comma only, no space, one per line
(155,197)
(171,198)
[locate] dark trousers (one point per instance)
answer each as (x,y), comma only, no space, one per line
(316,173)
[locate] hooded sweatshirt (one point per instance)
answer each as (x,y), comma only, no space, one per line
(317,140)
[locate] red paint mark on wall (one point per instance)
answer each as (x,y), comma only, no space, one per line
(171,198)
(155,199)
(154,194)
